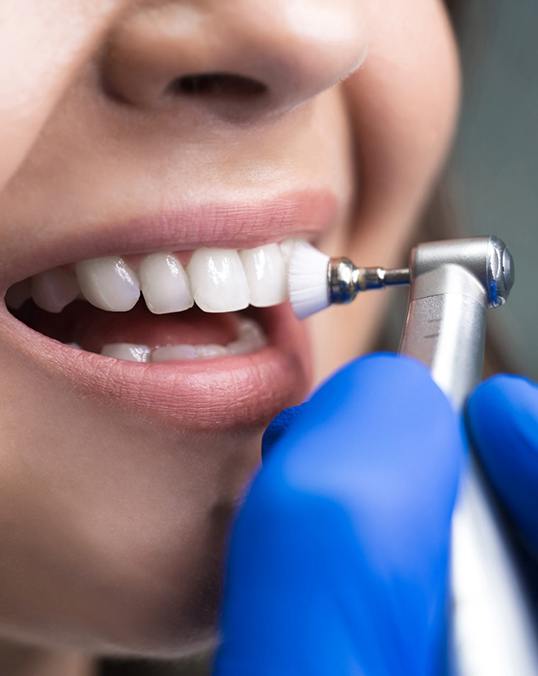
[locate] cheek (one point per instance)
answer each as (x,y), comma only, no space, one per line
(63,45)
(403,103)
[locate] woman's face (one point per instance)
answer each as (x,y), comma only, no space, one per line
(172,126)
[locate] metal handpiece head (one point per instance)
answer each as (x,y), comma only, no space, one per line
(487,259)
(500,272)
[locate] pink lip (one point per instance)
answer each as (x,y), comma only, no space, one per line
(213,394)
(233,225)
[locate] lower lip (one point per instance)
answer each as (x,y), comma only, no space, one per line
(211,394)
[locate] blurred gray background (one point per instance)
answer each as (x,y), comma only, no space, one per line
(493,174)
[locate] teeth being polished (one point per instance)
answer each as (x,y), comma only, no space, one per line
(250,339)
(165,284)
(108,283)
(265,271)
(217,280)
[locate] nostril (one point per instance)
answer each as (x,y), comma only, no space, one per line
(217,85)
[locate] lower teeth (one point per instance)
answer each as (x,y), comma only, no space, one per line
(127,352)
(250,339)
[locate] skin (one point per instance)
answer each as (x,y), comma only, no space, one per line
(89,564)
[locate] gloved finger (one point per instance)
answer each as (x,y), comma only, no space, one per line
(503,424)
(339,555)
(279,426)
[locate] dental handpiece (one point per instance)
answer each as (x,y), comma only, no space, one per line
(453,283)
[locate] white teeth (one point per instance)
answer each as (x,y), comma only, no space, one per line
(127,351)
(247,344)
(54,289)
(286,248)
(18,294)
(266,275)
(108,283)
(187,352)
(238,347)
(173,353)
(209,351)
(218,280)
(250,339)
(252,332)
(165,284)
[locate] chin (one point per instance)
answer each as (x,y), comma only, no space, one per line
(120,524)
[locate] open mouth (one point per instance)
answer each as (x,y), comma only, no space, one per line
(158,307)
(181,317)
(205,337)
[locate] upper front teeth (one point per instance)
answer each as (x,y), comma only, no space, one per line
(218,280)
(108,283)
(266,274)
(165,284)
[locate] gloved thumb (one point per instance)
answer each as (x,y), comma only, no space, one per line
(503,422)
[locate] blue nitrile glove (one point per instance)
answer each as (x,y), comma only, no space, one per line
(339,555)
(503,423)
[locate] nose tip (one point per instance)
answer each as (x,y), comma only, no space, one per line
(242,58)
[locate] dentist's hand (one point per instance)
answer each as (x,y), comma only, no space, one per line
(503,424)
(339,556)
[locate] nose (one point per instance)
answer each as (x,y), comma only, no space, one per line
(234,57)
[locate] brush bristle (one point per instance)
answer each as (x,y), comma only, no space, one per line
(307,280)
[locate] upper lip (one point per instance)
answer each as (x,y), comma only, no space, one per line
(237,225)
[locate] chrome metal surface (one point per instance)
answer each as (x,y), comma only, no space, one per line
(453,284)
(346,280)
(500,272)
(343,284)
(446,330)
(486,258)
(379,278)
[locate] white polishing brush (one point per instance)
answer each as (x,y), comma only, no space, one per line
(316,281)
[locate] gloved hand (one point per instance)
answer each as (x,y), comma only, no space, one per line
(503,424)
(339,555)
